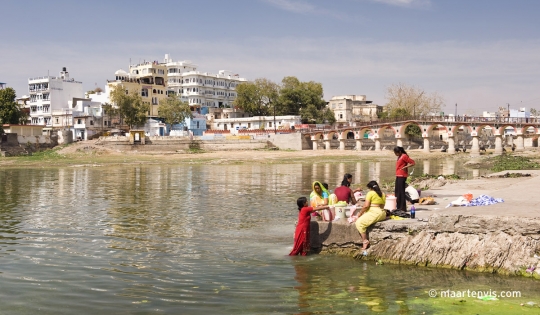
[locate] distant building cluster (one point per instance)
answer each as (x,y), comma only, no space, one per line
(354,108)
(60,103)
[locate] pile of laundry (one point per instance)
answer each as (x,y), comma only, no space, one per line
(467,201)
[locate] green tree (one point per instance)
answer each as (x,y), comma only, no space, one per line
(413,131)
(109,111)
(10,111)
(304,99)
(293,97)
(130,106)
(257,98)
(174,111)
(407,101)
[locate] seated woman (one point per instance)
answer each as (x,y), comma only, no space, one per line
(372,211)
(344,193)
(319,195)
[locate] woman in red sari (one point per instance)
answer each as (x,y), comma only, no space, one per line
(301,235)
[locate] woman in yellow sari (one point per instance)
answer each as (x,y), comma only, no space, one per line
(372,211)
(319,195)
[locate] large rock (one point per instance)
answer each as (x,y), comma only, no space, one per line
(505,245)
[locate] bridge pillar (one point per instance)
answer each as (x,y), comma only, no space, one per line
(475,148)
(358,145)
(520,143)
(315,144)
(399,142)
(342,144)
(327,144)
(451,146)
(498,145)
(426,145)
(377,144)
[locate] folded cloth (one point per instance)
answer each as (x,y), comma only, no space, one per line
(395,217)
(484,200)
(352,218)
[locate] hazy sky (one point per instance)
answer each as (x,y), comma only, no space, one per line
(480,54)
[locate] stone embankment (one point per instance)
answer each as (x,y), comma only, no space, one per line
(502,238)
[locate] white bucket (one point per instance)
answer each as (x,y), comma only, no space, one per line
(391,203)
(340,212)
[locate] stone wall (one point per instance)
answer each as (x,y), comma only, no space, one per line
(505,245)
(13,144)
(175,144)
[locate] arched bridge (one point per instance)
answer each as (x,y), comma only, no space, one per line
(451,124)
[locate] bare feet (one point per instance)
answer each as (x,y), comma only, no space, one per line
(366,245)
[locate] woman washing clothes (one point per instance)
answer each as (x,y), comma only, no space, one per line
(344,192)
(302,232)
(372,211)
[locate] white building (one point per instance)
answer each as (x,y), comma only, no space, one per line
(257,123)
(353,108)
(50,93)
(205,92)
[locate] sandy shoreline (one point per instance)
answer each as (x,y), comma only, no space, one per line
(88,152)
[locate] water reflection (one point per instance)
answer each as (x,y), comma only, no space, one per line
(427,164)
(206,238)
(449,167)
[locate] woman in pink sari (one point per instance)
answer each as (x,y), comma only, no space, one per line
(301,235)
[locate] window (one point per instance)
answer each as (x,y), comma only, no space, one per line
(56,120)
(197,125)
(144,92)
(91,122)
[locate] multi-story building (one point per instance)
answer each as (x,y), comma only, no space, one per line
(50,93)
(209,95)
(353,108)
(206,93)
(147,78)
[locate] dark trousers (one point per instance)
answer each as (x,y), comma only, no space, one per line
(401,201)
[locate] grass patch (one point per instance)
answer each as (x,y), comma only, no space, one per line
(46,155)
(510,162)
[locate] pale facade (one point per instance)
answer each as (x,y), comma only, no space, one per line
(83,117)
(206,93)
(257,123)
(353,108)
(148,79)
(48,94)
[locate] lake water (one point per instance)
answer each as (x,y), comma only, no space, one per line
(203,239)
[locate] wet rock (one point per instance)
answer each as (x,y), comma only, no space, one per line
(505,245)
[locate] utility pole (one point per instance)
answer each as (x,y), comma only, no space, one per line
(508,106)
(275,127)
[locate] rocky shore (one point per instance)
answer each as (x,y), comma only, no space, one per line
(503,238)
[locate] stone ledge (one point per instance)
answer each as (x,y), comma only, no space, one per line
(505,245)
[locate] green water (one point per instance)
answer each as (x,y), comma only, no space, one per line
(203,240)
